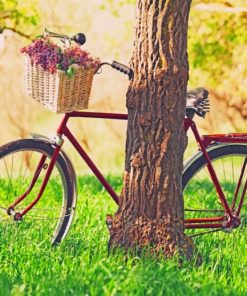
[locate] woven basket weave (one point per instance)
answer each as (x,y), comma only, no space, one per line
(58,92)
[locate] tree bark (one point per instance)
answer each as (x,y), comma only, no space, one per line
(150,213)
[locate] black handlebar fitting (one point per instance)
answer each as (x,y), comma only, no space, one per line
(79,38)
(122,68)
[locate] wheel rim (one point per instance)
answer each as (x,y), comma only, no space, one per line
(44,220)
(200,196)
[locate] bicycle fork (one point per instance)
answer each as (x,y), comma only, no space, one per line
(18,216)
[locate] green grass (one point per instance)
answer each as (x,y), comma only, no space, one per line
(81,265)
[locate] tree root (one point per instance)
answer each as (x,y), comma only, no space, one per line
(156,236)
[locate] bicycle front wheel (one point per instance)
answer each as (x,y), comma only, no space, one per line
(50,218)
(200,196)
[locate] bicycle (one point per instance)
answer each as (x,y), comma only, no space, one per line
(36,168)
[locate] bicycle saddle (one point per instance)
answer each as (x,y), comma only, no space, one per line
(197,102)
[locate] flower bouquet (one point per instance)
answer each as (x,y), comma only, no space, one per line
(60,78)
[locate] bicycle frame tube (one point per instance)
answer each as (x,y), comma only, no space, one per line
(64,130)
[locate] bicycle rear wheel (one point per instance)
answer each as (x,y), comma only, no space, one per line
(200,196)
(50,218)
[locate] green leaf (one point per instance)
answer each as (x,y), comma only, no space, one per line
(70,71)
(59,67)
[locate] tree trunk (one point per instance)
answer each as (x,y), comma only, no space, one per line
(150,213)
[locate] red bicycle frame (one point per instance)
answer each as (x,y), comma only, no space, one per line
(230,219)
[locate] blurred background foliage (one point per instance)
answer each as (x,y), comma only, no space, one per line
(217,48)
(19,16)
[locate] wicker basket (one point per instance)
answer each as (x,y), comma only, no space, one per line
(58,92)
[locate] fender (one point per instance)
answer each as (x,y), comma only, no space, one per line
(199,154)
(71,169)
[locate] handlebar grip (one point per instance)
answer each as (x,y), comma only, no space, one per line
(122,68)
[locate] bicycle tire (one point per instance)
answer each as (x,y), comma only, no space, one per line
(55,209)
(200,196)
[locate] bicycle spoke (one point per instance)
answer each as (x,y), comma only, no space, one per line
(222,159)
(3,202)
(196,201)
(43,218)
(20,179)
(7,171)
(204,211)
(197,204)
(233,179)
(205,232)
(35,218)
(42,209)
(28,163)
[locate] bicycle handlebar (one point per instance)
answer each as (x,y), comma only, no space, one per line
(122,68)
(80,38)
